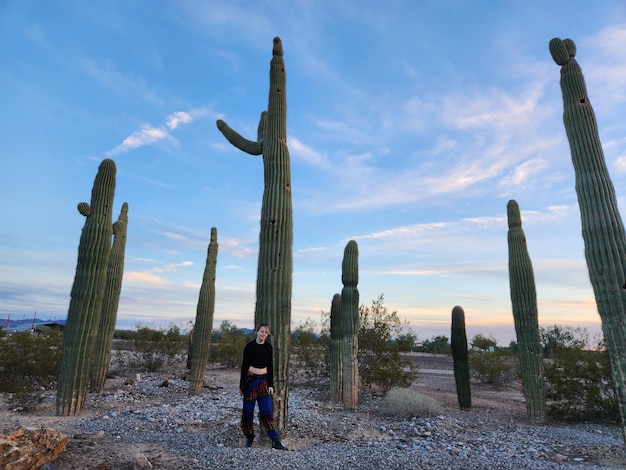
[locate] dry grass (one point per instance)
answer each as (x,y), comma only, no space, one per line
(408,403)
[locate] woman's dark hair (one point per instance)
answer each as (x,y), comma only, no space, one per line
(256,330)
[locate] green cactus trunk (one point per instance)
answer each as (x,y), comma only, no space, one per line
(274,272)
(525,316)
(350,325)
(201,342)
(189,349)
(460,356)
(336,356)
(110,304)
(83,317)
(602,227)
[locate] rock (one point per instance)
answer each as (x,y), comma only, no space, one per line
(30,448)
(140,462)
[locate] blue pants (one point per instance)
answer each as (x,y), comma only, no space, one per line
(256,391)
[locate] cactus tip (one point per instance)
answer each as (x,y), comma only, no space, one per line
(562,50)
(278,47)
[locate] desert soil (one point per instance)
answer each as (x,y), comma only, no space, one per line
(491,407)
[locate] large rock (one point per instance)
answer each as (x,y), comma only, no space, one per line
(27,449)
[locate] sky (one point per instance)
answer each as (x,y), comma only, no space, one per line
(410,125)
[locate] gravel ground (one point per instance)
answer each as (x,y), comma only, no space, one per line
(175,431)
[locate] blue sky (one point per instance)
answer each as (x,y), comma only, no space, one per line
(410,126)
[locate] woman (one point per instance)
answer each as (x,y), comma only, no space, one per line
(257,385)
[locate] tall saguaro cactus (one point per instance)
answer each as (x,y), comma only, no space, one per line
(274,271)
(201,341)
(602,227)
(85,308)
(110,303)
(336,356)
(525,316)
(458,343)
(350,325)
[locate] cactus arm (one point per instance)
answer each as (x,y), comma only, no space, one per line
(110,304)
(243,144)
(602,226)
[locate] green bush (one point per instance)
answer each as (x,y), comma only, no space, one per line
(309,354)
(495,368)
(28,364)
(380,361)
(557,337)
(151,350)
(579,386)
(407,403)
(227,345)
(436,345)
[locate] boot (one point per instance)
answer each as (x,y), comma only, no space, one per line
(277,445)
(249,440)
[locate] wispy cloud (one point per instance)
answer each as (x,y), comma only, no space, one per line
(524,171)
(106,73)
(149,135)
(144,278)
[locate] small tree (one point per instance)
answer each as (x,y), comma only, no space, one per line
(484,343)
(437,345)
(559,337)
(380,361)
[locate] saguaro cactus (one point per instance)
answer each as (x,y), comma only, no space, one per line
(336,356)
(602,227)
(110,303)
(201,341)
(85,308)
(350,325)
(274,272)
(458,343)
(525,316)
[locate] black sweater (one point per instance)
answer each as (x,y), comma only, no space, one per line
(259,356)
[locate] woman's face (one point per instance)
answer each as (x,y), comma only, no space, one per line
(262,333)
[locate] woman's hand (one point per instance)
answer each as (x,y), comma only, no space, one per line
(271,390)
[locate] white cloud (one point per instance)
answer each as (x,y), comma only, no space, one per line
(149,135)
(146,136)
(184,117)
(524,171)
(307,154)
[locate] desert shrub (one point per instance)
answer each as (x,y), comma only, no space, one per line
(309,353)
(495,368)
(559,338)
(484,343)
(436,345)
(28,364)
(380,361)
(151,350)
(579,386)
(227,345)
(407,403)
